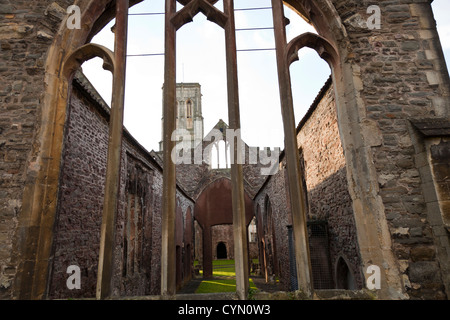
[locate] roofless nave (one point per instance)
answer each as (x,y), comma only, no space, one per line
(362,180)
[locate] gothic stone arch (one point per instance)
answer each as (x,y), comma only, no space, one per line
(333,44)
(362,134)
(214,207)
(35,229)
(35,232)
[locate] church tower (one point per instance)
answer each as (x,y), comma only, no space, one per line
(188,112)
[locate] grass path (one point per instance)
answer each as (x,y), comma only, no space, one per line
(224,278)
(220,285)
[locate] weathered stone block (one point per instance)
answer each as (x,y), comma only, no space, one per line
(424,272)
(422,253)
(14,31)
(411,45)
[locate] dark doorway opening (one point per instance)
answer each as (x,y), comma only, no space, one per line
(344,277)
(221,251)
(320,255)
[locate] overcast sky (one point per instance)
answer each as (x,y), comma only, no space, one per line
(201,58)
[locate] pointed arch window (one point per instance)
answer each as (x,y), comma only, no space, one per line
(220,155)
(189,109)
(189,112)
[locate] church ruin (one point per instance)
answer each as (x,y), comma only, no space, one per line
(360,188)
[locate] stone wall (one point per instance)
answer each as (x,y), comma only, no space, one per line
(275,192)
(22,61)
(80,206)
(439,154)
(328,200)
(402,76)
(326,181)
(223,233)
(138,231)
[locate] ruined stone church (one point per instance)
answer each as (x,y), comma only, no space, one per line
(356,201)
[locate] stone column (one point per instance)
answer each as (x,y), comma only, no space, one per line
(296,192)
(168,262)
(105,263)
(237,180)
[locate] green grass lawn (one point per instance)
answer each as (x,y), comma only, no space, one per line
(220,285)
(223,268)
(224,274)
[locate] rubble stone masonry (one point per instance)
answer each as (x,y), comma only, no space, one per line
(77,234)
(326,181)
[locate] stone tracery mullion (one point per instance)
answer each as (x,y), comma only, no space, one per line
(86,53)
(323,48)
(185,2)
(112,182)
(296,192)
(192,8)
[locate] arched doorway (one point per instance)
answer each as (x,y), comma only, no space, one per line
(344,277)
(221,251)
(214,208)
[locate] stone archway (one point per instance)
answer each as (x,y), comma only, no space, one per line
(344,277)
(221,251)
(333,45)
(214,207)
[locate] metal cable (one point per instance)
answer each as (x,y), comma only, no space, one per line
(242,29)
(256,49)
(251,29)
(145,55)
(146,14)
(251,9)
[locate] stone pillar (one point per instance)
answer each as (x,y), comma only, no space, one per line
(296,192)
(105,264)
(207,252)
(168,262)
(237,179)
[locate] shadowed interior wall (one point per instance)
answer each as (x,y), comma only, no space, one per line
(138,237)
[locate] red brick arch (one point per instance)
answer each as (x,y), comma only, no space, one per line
(214,207)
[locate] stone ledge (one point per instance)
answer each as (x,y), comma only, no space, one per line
(336,294)
(333,294)
(194,296)
(432,127)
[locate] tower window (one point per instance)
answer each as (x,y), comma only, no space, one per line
(189,109)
